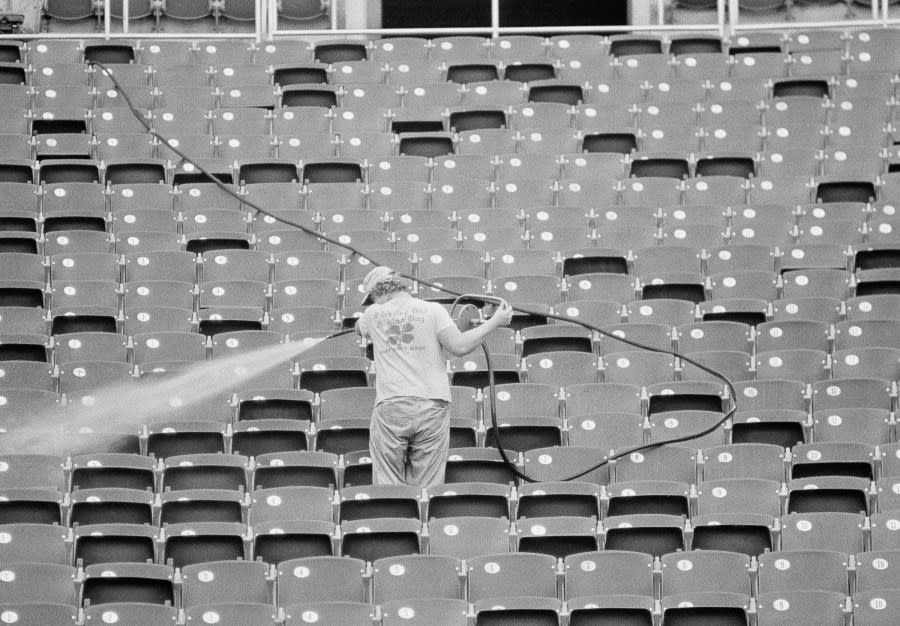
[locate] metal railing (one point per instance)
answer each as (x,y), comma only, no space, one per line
(879,7)
(727,23)
(496,30)
(267,25)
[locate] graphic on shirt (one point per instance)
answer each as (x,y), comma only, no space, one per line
(398,334)
(398,329)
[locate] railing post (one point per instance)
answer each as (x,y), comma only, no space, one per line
(720,16)
(258,18)
(733,10)
(273,17)
(495,18)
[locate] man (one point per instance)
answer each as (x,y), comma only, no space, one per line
(410,430)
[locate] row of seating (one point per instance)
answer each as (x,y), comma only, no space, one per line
(626,272)
(264,507)
(624,231)
(425,105)
(515,399)
(350,67)
(585,250)
(492,581)
(420,178)
(825,240)
(287,468)
(463,537)
(639,78)
(269,415)
(792,267)
(695,79)
(209,493)
(689,288)
(76,372)
(446,577)
(584,435)
(648,191)
(626,275)
(215,68)
(413,49)
(483,128)
(544,126)
(825,607)
(823,153)
(34,325)
(417,175)
(523,193)
(301,306)
(549,102)
(27,363)
(747,121)
(494,174)
(644,179)
(30,362)
(439,576)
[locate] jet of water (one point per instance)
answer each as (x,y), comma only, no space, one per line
(129,405)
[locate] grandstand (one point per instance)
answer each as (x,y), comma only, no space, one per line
(718,184)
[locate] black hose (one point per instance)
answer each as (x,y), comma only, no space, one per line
(355,251)
(606,459)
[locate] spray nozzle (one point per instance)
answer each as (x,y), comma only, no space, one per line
(467,315)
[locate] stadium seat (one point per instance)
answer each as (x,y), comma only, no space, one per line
(468,498)
(372,539)
(111,505)
(820,607)
(654,534)
(464,537)
(705,571)
(316,579)
(722,607)
(561,463)
(416,576)
(41,613)
(501,575)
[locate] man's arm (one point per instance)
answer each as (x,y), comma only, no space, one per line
(361,328)
(460,343)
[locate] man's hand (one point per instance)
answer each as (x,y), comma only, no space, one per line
(503,314)
(459,343)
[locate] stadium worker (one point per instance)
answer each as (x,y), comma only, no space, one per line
(410,429)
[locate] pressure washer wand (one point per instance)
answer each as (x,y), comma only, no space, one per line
(467,315)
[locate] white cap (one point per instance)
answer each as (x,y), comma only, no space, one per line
(373,278)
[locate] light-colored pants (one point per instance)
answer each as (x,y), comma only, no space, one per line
(409,440)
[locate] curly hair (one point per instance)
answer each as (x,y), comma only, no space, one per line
(389,285)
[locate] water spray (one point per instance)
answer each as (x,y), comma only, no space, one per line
(131,405)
